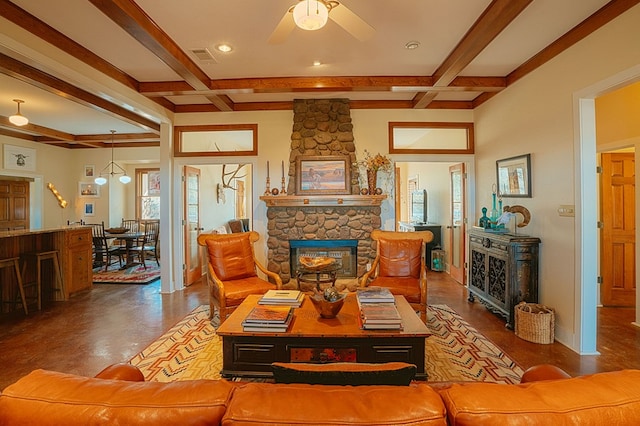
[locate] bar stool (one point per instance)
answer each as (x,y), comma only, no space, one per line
(12,262)
(40,257)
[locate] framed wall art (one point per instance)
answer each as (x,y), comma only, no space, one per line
(514,176)
(323,175)
(89,189)
(19,158)
(89,209)
(89,170)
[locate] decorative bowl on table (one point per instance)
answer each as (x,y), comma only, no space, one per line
(117,230)
(316,263)
(328,303)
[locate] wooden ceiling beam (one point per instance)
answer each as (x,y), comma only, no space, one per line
(495,18)
(22,18)
(604,15)
(28,74)
(131,18)
(35,130)
(297,84)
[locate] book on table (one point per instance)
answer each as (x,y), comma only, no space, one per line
(266,314)
(374,295)
(282,297)
(383,315)
(267,327)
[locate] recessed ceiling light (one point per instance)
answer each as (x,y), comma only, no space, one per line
(224,48)
(317,63)
(412,45)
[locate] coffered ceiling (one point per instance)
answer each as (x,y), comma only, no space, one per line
(80,65)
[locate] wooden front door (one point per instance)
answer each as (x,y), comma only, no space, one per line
(193,268)
(14,205)
(617,247)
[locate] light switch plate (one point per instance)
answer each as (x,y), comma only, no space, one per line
(567,210)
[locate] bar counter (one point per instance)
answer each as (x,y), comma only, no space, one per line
(74,246)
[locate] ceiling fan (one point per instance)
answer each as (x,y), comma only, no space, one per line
(312,15)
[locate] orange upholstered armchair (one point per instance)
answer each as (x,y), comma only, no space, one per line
(231,271)
(400,266)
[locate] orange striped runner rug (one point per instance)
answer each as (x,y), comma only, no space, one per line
(455,351)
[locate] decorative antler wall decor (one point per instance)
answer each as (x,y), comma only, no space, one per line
(231,176)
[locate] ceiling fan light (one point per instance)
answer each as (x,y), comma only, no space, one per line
(100,180)
(124,179)
(310,15)
(17,118)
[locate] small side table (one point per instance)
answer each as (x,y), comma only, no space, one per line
(327,275)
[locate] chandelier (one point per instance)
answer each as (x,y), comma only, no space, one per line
(112,169)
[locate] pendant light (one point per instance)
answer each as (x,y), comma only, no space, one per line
(18,119)
(112,169)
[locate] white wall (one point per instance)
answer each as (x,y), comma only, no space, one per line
(536,115)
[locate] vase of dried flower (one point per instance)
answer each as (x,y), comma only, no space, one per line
(372,180)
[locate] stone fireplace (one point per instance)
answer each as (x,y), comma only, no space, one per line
(321,127)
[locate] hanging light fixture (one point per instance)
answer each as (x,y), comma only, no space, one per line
(112,169)
(311,15)
(18,119)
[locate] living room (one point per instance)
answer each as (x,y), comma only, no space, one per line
(548,113)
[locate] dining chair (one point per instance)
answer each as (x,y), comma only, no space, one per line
(148,244)
(103,252)
(232,271)
(400,266)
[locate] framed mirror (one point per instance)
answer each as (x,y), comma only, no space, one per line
(514,176)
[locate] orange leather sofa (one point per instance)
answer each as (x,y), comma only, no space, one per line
(117,396)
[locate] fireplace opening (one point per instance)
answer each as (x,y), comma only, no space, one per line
(344,251)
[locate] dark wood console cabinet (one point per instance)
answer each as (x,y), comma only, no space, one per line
(503,271)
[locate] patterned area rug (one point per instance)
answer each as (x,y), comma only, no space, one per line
(455,351)
(133,275)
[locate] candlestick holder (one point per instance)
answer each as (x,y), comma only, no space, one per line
(282,190)
(268,190)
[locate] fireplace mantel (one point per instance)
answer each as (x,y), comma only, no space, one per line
(322,200)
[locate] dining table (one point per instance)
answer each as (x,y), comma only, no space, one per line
(129,238)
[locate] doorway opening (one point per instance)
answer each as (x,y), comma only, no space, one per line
(435,178)
(215,198)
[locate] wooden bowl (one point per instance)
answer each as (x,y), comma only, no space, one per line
(316,263)
(117,230)
(325,308)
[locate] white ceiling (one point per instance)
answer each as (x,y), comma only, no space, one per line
(438,25)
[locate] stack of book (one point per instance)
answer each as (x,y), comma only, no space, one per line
(378,309)
(282,297)
(268,319)
(375,295)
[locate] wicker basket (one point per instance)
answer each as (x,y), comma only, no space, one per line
(534,323)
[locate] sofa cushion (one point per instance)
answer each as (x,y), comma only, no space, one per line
(600,399)
(345,373)
(50,398)
(272,403)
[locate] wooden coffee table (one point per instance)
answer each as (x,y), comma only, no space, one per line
(314,339)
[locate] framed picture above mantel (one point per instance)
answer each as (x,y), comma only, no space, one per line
(323,175)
